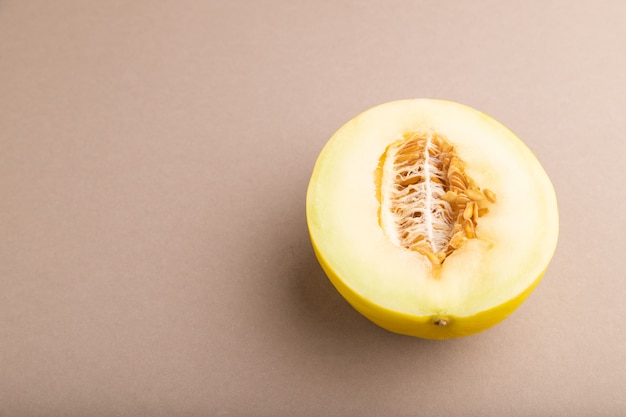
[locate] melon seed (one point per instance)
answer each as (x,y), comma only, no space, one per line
(428,204)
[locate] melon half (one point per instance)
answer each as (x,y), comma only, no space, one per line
(431,218)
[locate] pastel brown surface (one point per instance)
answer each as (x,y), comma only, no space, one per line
(154,158)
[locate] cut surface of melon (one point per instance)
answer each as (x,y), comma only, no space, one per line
(431,218)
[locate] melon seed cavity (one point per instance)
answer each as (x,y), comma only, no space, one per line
(428,204)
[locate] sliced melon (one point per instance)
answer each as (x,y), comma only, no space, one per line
(431,218)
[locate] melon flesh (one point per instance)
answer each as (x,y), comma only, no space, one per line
(478,284)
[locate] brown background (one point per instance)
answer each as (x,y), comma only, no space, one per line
(154,157)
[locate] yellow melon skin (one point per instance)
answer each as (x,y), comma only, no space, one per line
(395,288)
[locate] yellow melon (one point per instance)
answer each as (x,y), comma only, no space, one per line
(431,218)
